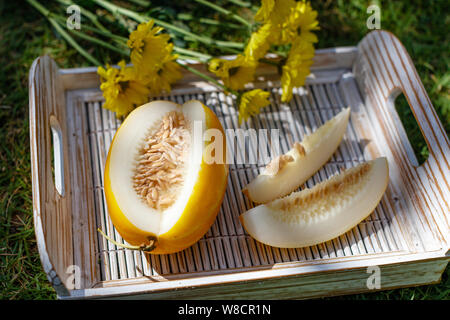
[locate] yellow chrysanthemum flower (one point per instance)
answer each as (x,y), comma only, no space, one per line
(259,43)
(275,11)
(264,11)
(284,21)
(302,20)
(296,68)
(219,67)
(149,47)
(251,102)
(299,20)
(165,76)
(235,73)
(122,89)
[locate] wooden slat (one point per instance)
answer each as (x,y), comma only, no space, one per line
(98,149)
(83,210)
(350,96)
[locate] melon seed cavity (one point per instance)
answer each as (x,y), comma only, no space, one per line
(161,162)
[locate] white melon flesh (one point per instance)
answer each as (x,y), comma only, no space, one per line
(324,212)
(291,170)
(123,158)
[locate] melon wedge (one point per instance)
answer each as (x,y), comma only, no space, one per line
(160,186)
(324,212)
(287,172)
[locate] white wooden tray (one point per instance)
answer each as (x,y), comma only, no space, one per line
(407,236)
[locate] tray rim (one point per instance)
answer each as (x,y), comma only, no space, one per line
(118,289)
(68,74)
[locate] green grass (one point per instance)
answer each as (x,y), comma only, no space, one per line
(25,35)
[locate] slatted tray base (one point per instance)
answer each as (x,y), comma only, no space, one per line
(407,235)
(226,245)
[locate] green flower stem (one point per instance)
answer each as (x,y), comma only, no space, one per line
(141,18)
(241,3)
(222,49)
(186,53)
(123,40)
(102,43)
(213,22)
(143,3)
(44,11)
(183,57)
(118,39)
(73,43)
(126,52)
(62,32)
(202,56)
(209,78)
(225,12)
(188,17)
(231,50)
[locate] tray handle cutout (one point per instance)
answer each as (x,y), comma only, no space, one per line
(58,155)
(383,69)
(413,133)
(385,64)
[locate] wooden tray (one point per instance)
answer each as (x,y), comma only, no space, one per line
(407,236)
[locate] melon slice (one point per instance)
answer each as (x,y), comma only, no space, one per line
(324,212)
(287,172)
(160,186)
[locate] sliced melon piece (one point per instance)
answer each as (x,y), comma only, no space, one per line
(324,212)
(287,172)
(159,187)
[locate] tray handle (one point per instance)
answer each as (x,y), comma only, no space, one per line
(58,155)
(383,70)
(51,201)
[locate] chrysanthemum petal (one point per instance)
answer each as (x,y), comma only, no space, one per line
(259,43)
(235,73)
(296,68)
(149,47)
(166,76)
(251,103)
(122,89)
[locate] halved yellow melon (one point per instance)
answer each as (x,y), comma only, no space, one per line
(160,186)
(324,212)
(287,172)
